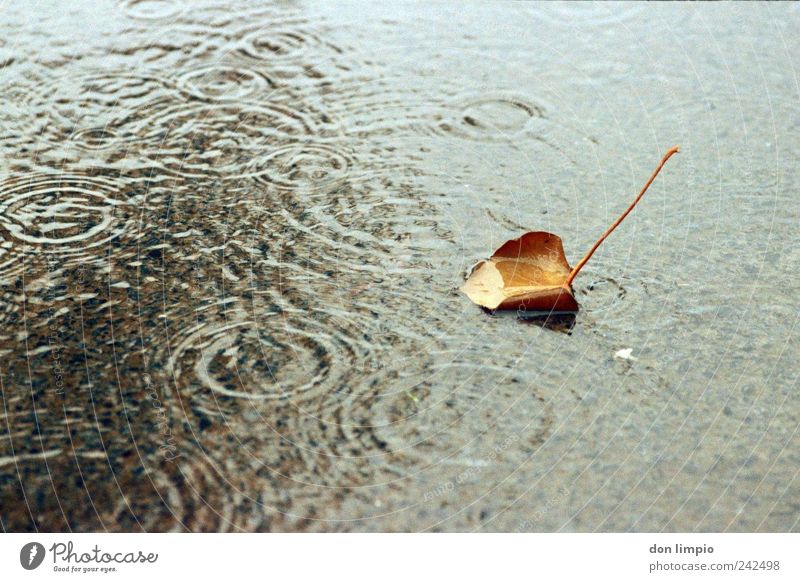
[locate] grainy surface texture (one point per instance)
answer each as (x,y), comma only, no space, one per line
(232,236)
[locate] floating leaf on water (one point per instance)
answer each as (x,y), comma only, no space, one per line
(528,273)
(531,272)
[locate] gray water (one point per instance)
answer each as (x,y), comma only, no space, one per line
(232,236)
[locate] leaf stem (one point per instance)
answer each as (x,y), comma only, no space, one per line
(588,256)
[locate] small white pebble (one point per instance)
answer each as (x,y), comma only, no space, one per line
(625,354)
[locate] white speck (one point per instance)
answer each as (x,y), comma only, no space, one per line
(42,350)
(93,455)
(625,355)
(466,462)
(29,457)
(186,233)
(228,274)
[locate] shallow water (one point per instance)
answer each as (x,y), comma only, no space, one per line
(231,240)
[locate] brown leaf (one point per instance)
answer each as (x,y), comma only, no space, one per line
(532,273)
(529,272)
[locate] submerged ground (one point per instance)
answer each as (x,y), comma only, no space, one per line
(231,239)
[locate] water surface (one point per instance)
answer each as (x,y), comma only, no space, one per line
(231,237)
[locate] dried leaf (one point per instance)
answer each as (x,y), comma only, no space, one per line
(529,272)
(532,273)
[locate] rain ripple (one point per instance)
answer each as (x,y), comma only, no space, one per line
(95,110)
(219,364)
(154,9)
(68,218)
(283,42)
(310,167)
(190,140)
(217,83)
(493,117)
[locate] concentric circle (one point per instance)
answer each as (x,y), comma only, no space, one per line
(96,109)
(278,44)
(96,138)
(154,9)
(58,212)
(310,167)
(492,117)
(219,83)
(70,216)
(224,369)
(240,361)
(222,139)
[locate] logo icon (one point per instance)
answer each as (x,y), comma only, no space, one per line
(31,555)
